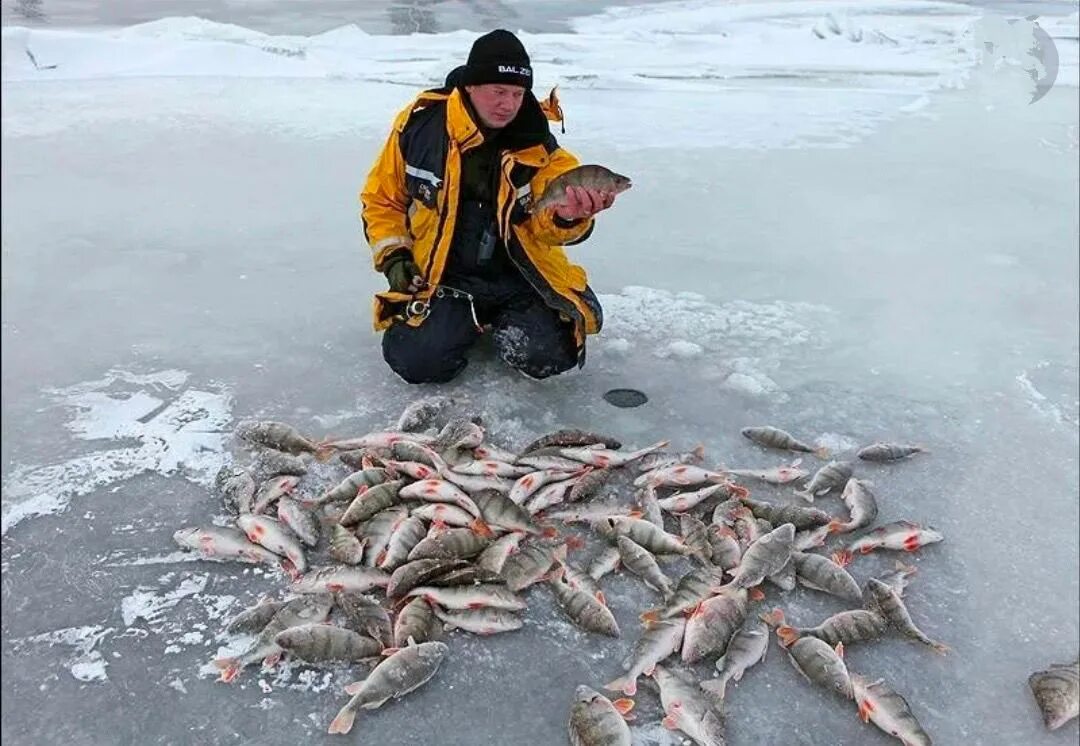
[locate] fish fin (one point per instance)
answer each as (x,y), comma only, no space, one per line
(574,542)
(756,594)
(635,514)
(389,651)
(650,617)
(481,528)
(290,569)
(843,557)
(835,527)
(623,705)
(787,635)
(601,598)
(821,452)
(773,618)
(272,660)
(549,532)
(808,496)
(438,526)
(323,452)
(650,670)
(738,491)
(354,688)
(699,452)
(669,722)
(865,708)
(840,649)
(940,648)
(343,723)
(624,684)
(230,668)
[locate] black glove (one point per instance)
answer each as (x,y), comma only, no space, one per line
(401,271)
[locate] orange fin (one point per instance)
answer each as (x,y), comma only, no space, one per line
(575,542)
(623,705)
(865,708)
(843,557)
(787,635)
(343,723)
(353,688)
(480,528)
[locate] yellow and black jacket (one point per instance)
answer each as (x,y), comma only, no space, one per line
(410,201)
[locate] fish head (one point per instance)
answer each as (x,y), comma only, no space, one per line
(585,694)
(621,183)
(432,651)
(878,589)
(785,533)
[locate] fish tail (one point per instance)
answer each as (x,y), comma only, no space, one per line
(699,452)
(843,557)
(806,495)
(625,684)
(323,451)
(939,648)
(230,668)
(343,723)
(835,527)
(822,452)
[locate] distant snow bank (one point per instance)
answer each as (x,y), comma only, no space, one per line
(740,75)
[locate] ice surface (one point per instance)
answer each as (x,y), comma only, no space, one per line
(866,236)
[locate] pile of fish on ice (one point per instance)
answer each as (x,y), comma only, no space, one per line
(450,531)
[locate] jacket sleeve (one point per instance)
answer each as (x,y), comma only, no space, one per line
(384,203)
(546,226)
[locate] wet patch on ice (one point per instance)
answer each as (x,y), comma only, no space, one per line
(178,431)
(738,344)
(1064,412)
(147,605)
(87,663)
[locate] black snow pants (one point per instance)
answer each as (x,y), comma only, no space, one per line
(528,336)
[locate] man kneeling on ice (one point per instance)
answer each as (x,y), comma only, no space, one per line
(448,211)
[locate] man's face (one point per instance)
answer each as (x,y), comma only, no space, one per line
(496,103)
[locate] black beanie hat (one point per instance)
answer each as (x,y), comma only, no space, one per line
(498,57)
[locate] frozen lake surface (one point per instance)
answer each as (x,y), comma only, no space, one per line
(870,235)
